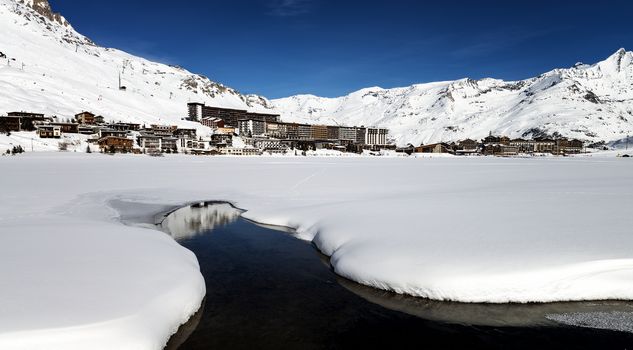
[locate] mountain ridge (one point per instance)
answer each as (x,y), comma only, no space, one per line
(589,102)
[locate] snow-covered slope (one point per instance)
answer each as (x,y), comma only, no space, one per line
(589,102)
(51,68)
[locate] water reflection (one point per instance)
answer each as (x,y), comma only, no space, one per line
(268,290)
(193,220)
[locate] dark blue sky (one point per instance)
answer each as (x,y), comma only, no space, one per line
(278,48)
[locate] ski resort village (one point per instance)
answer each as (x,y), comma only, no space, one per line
(230,132)
(290,201)
(238,132)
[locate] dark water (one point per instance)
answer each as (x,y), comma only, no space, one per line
(268,290)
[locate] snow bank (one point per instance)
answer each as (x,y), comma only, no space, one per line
(466,229)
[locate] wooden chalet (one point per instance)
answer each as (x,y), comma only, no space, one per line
(116,144)
(49,131)
(85,118)
(441,147)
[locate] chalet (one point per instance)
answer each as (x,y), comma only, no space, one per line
(435,148)
(49,131)
(99,120)
(150,143)
(467,145)
(68,128)
(85,118)
(116,144)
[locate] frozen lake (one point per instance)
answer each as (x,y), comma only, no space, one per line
(478,230)
(267,289)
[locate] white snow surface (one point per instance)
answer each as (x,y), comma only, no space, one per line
(465,229)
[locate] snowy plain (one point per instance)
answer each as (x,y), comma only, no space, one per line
(463,229)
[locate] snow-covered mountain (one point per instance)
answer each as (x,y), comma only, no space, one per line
(50,68)
(589,102)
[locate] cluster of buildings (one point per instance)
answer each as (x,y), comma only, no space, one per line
(110,137)
(503,146)
(269,133)
(259,133)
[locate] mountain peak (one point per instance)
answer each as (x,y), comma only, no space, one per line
(617,62)
(43,8)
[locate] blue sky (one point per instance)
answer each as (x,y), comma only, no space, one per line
(278,48)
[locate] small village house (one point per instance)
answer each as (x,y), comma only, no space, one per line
(86,118)
(68,128)
(112,144)
(49,131)
(150,143)
(441,147)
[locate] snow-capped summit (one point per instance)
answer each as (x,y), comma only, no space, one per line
(43,8)
(589,102)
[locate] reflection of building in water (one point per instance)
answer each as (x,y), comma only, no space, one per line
(192,220)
